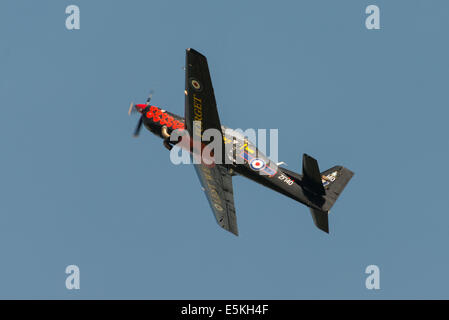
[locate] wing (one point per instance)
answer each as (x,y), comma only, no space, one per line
(200,106)
(200,102)
(217,184)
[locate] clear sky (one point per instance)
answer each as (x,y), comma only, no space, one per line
(76,188)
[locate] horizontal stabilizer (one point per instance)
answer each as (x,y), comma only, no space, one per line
(335,180)
(321,219)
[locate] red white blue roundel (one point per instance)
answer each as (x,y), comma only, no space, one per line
(257,164)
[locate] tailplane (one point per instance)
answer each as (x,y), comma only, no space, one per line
(334,181)
(320,219)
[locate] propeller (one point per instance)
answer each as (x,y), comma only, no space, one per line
(138,127)
(132,109)
(150,96)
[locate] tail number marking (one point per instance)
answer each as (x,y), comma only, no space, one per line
(286,179)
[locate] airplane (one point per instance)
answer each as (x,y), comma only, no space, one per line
(317,190)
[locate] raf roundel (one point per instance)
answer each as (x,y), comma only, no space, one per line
(257,164)
(195,84)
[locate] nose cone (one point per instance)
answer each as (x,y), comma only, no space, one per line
(140,107)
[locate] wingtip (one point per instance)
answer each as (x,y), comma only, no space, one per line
(196,52)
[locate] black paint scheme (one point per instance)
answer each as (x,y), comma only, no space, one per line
(315,189)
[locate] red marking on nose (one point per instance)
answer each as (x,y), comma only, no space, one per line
(140,107)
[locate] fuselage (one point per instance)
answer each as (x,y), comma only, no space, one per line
(241,155)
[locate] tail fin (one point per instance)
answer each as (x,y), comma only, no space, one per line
(328,184)
(311,175)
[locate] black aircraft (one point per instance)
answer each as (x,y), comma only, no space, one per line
(315,189)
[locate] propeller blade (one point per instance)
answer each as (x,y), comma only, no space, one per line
(130,108)
(138,127)
(149,97)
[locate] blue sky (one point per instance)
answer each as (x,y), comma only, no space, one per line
(76,188)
